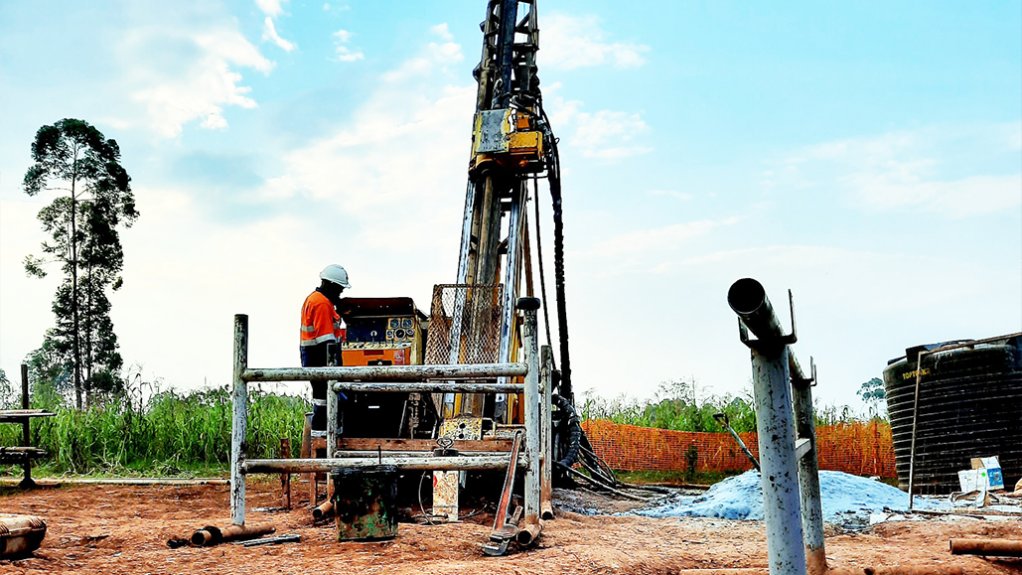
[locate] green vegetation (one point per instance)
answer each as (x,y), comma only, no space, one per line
(170,434)
(676,406)
(77,164)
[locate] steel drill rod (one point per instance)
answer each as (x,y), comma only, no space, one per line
(998,547)
(386,372)
(428,387)
(410,463)
(290,538)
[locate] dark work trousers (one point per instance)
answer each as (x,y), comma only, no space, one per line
(320,355)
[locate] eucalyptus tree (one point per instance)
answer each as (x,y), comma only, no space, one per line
(93,198)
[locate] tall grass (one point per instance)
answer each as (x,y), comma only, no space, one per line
(170,433)
(676,406)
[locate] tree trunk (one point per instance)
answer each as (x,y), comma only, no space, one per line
(89,326)
(74,287)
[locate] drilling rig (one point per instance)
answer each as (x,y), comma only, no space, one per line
(475,320)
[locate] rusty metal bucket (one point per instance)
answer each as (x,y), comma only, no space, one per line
(365,503)
(20,534)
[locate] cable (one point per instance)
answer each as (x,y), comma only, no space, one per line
(539,257)
(422,507)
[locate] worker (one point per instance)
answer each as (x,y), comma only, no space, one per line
(321,333)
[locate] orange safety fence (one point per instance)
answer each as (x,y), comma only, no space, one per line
(860,448)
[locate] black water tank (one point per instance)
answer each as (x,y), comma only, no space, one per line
(970,405)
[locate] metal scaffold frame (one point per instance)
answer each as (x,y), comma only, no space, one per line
(536,456)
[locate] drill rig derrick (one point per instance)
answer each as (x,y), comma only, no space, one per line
(512,144)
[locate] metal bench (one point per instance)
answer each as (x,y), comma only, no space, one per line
(25,453)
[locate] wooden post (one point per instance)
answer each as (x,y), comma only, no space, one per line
(285,477)
(239,399)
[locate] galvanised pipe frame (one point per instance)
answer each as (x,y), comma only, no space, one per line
(537,371)
(787,436)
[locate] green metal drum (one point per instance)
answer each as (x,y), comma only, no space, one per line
(365,503)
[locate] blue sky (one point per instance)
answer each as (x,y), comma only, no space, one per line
(866,155)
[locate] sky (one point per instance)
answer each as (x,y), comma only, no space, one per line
(865,155)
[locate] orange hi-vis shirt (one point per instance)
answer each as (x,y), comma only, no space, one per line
(320,322)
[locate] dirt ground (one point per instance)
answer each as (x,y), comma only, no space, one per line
(124,530)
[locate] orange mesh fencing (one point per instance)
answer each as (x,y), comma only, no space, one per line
(858,448)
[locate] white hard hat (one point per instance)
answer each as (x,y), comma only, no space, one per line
(336,274)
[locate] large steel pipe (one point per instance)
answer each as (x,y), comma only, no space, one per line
(212,535)
(998,547)
(775,424)
(428,387)
(748,299)
(533,420)
(411,463)
(386,372)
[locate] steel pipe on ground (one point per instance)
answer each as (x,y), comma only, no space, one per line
(898,570)
(478,462)
(212,535)
(387,372)
(998,547)
(324,509)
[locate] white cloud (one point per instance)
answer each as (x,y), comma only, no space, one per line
(272,8)
(608,134)
(570,42)
(436,56)
(665,238)
(270,33)
(201,82)
(403,146)
(674,194)
(342,51)
(931,170)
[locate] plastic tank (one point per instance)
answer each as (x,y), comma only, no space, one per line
(970,405)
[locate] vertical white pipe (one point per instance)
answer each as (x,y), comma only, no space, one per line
(331,420)
(532,417)
(779,477)
(809,479)
(546,433)
(512,271)
(239,400)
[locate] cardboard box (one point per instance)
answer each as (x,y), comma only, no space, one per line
(984,475)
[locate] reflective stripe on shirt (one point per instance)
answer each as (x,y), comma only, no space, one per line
(319,340)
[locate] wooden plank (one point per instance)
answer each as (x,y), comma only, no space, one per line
(21,453)
(18,415)
(373,444)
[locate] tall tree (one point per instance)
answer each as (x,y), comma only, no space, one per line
(94,197)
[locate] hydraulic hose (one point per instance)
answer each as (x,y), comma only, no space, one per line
(574,431)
